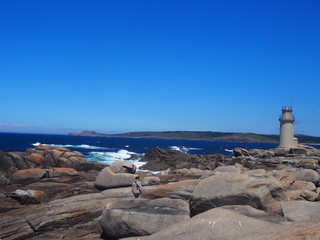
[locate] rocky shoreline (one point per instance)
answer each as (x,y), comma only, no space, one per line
(53,193)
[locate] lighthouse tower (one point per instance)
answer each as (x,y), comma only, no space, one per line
(287,139)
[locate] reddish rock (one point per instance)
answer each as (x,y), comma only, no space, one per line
(29,196)
(28,175)
(57,172)
(50,148)
(36,158)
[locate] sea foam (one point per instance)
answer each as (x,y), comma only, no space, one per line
(183,148)
(110,157)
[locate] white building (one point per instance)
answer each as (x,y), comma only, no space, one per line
(287,139)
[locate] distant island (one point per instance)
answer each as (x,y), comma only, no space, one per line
(202,135)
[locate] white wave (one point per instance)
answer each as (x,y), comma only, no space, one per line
(228,150)
(127,146)
(85,146)
(196,148)
(175,148)
(110,157)
(183,148)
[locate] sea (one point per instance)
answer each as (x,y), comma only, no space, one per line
(110,149)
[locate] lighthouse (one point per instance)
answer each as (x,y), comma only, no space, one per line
(287,139)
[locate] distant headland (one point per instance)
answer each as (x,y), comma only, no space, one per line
(201,135)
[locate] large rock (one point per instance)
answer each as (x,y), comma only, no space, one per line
(161,159)
(298,210)
(261,153)
(260,163)
(223,223)
(56,215)
(308,164)
(28,175)
(150,180)
(17,159)
(303,185)
(307,175)
(301,195)
(7,204)
(235,188)
(141,217)
(7,167)
(4,181)
(123,167)
(281,151)
(108,179)
(35,158)
(45,157)
(29,196)
(239,152)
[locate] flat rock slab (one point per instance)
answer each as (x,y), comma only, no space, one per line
(58,214)
(223,223)
(299,210)
(234,189)
(140,217)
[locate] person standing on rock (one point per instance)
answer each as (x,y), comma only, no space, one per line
(136,187)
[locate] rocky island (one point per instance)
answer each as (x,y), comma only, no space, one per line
(54,193)
(200,135)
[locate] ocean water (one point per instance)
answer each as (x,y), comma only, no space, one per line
(109,149)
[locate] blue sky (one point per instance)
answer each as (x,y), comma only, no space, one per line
(159,65)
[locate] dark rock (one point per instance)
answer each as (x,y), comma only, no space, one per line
(281,151)
(298,151)
(261,163)
(7,166)
(88,166)
(56,215)
(239,152)
(161,159)
(18,160)
(261,153)
(7,204)
(4,181)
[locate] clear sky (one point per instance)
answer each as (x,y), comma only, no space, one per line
(157,65)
